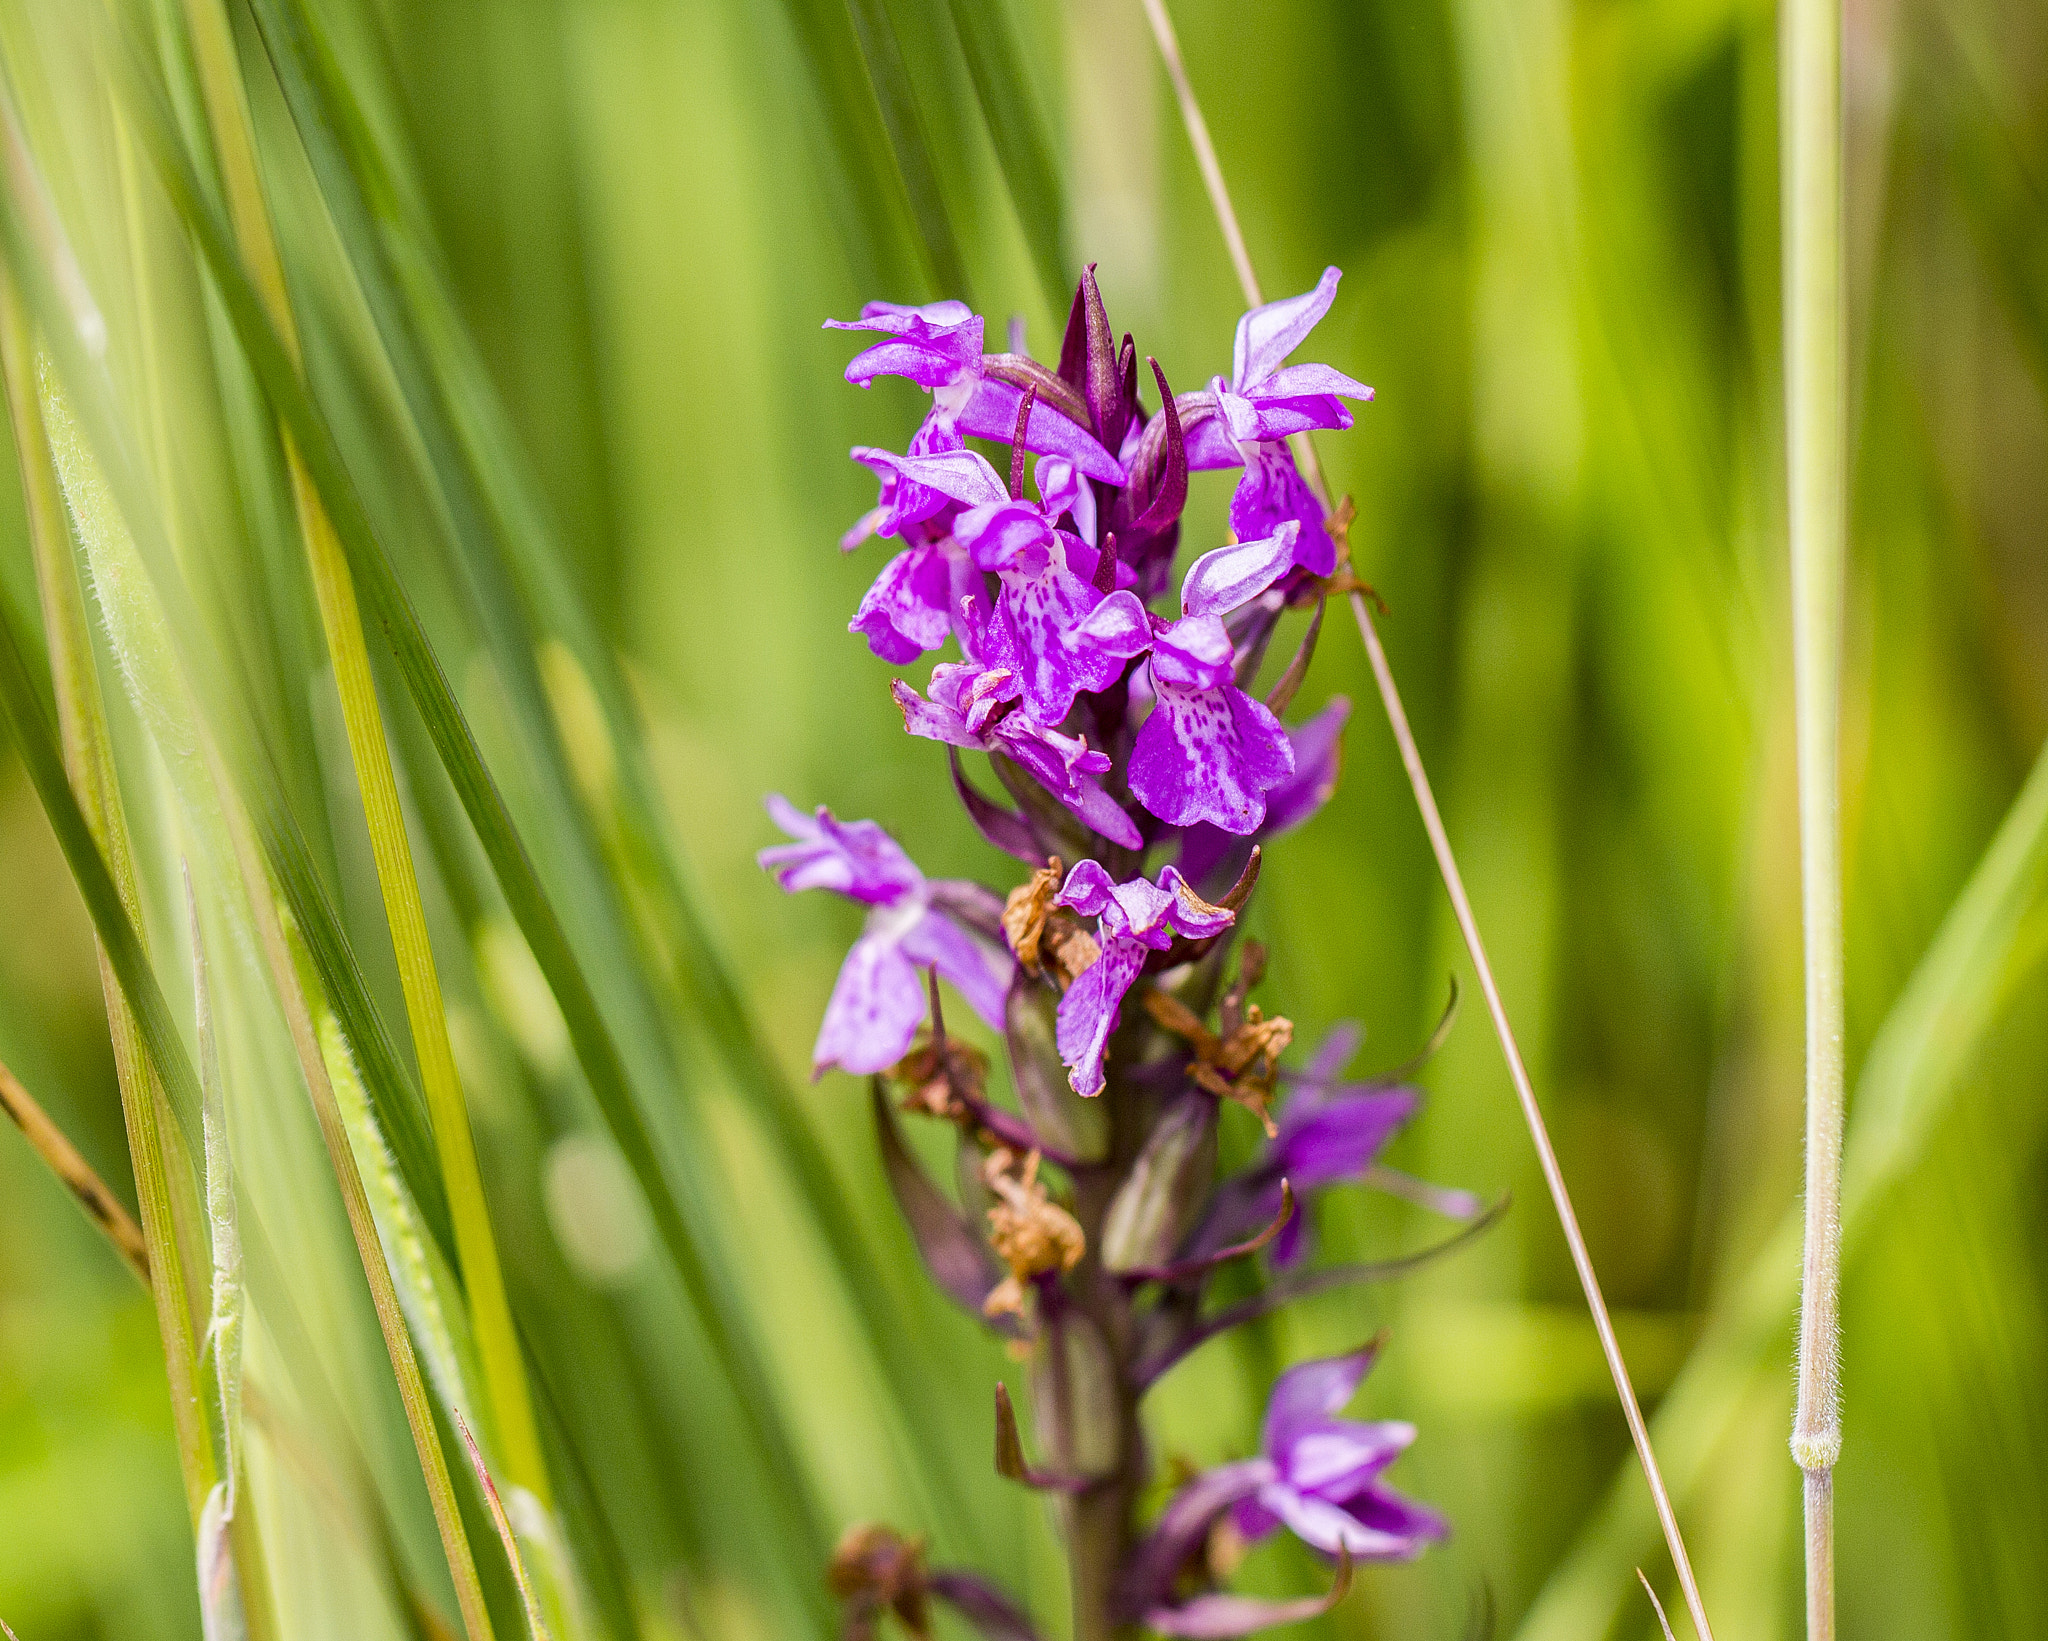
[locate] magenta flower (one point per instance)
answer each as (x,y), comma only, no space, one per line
(1264,401)
(1324,1484)
(1209,753)
(1318,747)
(1316,1474)
(975,706)
(1052,629)
(938,347)
(879,999)
(1132,920)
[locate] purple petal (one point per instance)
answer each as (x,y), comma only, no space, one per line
(962,475)
(1088,890)
(1149,1573)
(1337,1050)
(1318,760)
(897,317)
(1267,335)
(856,858)
(992,414)
(876,1007)
(932,720)
(1210,446)
(1219,582)
(1193,653)
(1208,755)
(1381,1509)
(1329,1527)
(1010,535)
(975,1599)
(1305,381)
(1188,913)
(1217,1617)
(1307,1395)
(930,367)
(1047,631)
(1273,493)
(979,973)
(1088,1012)
(1335,1460)
(909,607)
(1339,1139)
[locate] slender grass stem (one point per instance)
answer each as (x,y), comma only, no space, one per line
(504,1370)
(1447,864)
(1816,474)
(75,1174)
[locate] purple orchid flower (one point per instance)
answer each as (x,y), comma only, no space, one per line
(1209,753)
(1325,1485)
(1264,401)
(938,347)
(913,605)
(1318,745)
(1329,1132)
(1316,1474)
(1052,629)
(1132,919)
(879,999)
(977,706)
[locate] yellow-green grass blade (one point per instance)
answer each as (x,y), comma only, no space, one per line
(88,754)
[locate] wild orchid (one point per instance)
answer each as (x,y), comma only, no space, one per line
(1141,775)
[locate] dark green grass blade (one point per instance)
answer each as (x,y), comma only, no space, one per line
(897,99)
(682,1221)
(1019,140)
(864,203)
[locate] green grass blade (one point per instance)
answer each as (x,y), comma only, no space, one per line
(504,1374)
(1019,140)
(897,99)
(83,716)
(688,1243)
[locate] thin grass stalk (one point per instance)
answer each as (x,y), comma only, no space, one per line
(504,1370)
(75,1174)
(1816,474)
(1446,860)
(89,768)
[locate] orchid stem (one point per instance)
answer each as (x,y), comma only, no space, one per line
(1447,863)
(1816,483)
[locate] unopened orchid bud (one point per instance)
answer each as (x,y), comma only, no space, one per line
(1168,1186)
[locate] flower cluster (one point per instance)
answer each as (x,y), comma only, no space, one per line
(1128,739)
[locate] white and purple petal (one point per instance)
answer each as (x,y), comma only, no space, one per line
(1089,1010)
(1208,756)
(876,1007)
(1220,581)
(1272,494)
(1309,1394)
(1266,335)
(856,858)
(977,971)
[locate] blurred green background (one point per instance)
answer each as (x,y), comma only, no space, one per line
(1557,221)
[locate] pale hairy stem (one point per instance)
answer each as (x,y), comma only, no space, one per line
(1447,866)
(1816,488)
